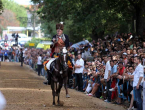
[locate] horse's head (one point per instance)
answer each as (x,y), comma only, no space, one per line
(64,58)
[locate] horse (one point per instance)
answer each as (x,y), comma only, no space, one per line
(59,76)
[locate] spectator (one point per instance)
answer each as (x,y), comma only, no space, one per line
(138,79)
(107,79)
(6,54)
(113,84)
(6,38)
(39,64)
(79,67)
(86,53)
(21,56)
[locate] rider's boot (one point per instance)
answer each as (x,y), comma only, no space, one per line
(48,82)
(49,78)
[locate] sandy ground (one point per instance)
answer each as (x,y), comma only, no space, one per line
(24,90)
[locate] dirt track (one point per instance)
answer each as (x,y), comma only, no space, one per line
(24,90)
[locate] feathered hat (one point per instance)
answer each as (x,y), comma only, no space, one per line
(60,26)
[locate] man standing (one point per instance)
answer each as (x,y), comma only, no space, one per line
(107,78)
(21,56)
(16,54)
(113,84)
(6,38)
(6,54)
(86,53)
(79,67)
(137,77)
(16,38)
(39,64)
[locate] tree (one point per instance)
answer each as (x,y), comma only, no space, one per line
(93,18)
(33,17)
(17,9)
(132,9)
(8,18)
(1,7)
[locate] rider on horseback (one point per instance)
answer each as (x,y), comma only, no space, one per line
(59,40)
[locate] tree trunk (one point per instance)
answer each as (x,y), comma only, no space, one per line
(139,21)
(34,26)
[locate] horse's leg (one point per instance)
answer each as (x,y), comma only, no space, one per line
(53,91)
(58,91)
(65,86)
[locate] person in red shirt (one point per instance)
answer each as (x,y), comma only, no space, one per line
(119,75)
(121,70)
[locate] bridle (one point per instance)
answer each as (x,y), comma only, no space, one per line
(64,61)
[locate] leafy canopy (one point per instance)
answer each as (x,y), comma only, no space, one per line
(90,18)
(20,11)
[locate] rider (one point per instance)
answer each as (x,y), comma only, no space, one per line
(59,40)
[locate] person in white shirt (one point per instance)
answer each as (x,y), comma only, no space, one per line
(137,77)
(39,64)
(107,78)
(79,67)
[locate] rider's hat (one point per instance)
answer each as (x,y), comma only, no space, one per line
(59,26)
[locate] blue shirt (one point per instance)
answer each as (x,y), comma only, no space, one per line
(6,53)
(96,70)
(113,69)
(1,54)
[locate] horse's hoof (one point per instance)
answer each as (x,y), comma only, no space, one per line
(60,103)
(53,104)
(67,96)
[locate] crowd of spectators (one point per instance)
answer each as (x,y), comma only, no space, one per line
(111,68)
(9,54)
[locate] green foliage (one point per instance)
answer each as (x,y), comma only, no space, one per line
(36,41)
(1,6)
(91,18)
(20,11)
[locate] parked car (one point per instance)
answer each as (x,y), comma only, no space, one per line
(24,38)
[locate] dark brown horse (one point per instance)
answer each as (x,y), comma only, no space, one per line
(59,76)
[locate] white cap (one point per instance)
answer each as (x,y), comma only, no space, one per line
(124,53)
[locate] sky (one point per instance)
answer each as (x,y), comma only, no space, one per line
(23,2)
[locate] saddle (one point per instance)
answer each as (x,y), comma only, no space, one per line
(50,64)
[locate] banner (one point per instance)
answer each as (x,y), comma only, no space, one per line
(31,44)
